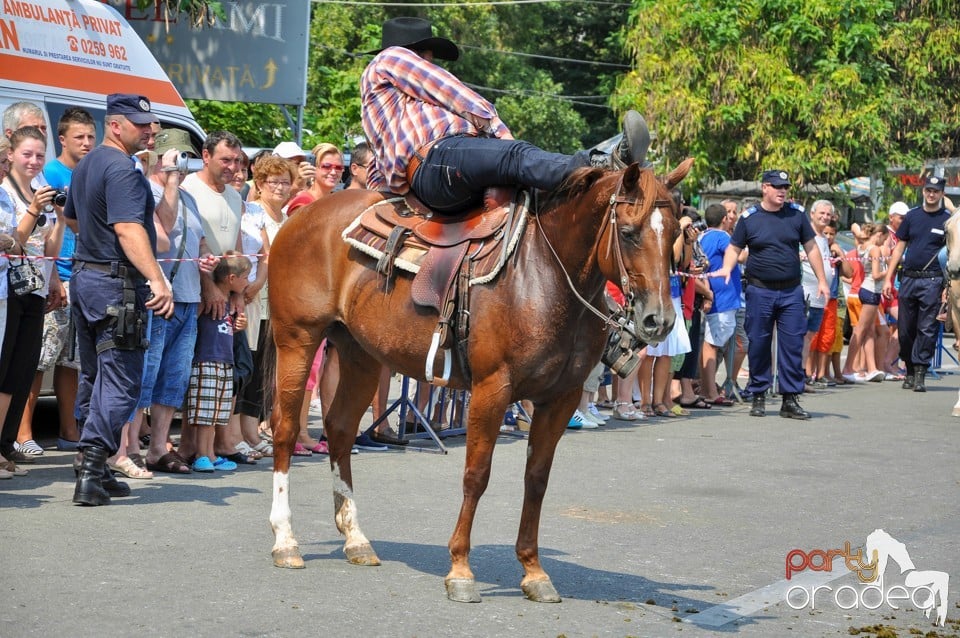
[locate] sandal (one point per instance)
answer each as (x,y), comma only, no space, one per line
(661,409)
(171,463)
(138,461)
(647,410)
(301,450)
(680,411)
(698,403)
(130,469)
(628,414)
(265,448)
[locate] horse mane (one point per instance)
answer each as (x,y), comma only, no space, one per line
(576,184)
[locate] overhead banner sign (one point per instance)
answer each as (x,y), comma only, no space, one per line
(258,54)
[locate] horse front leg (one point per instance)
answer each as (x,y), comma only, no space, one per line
(293,367)
(359,375)
(549,424)
(488,402)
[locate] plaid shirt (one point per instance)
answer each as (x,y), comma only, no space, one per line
(407,102)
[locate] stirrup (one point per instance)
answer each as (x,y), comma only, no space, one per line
(431,357)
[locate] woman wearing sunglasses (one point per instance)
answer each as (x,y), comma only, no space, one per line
(329,171)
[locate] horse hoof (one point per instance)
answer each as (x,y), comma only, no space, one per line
(462,590)
(362,555)
(288,557)
(541,591)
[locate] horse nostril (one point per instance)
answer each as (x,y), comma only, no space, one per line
(652,322)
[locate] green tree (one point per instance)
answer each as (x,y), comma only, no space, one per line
(824,89)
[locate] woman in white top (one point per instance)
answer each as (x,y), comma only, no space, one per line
(262,218)
(38,234)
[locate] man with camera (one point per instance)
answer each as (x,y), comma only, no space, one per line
(116,277)
(720,316)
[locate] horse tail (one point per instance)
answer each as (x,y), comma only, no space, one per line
(268,369)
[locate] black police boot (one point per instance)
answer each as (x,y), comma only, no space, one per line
(790,408)
(89,490)
(634,144)
(919,374)
(759,405)
(909,378)
(114,487)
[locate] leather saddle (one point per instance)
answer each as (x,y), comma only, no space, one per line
(436,244)
(446,253)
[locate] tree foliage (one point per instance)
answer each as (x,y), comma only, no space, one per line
(825,89)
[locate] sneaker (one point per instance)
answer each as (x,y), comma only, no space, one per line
(364,442)
(579,421)
(223,465)
(202,464)
(30,448)
(594,413)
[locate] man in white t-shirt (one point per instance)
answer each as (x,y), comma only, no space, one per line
(220,208)
(821,212)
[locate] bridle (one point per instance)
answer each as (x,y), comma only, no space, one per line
(621,319)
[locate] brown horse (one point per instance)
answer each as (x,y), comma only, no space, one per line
(531,336)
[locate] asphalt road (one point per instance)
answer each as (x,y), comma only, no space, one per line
(659,528)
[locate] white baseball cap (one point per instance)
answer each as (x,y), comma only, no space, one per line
(898,208)
(287,150)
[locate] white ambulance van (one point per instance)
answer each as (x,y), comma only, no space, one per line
(61,53)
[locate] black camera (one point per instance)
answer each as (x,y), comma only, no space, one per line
(60,198)
(699,225)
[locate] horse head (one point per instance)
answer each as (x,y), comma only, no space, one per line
(952,230)
(636,248)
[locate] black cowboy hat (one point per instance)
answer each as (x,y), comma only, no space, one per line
(416,34)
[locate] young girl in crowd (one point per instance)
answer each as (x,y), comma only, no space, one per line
(37,234)
(862,341)
(210,396)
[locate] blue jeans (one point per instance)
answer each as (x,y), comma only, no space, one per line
(458,169)
(179,343)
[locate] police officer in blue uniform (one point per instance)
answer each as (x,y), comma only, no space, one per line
(116,277)
(772,231)
(921,282)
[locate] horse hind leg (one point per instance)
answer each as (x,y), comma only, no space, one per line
(549,423)
(295,354)
(359,375)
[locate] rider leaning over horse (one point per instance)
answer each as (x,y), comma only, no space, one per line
(433,135)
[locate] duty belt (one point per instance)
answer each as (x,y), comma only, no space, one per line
(113,268)
(921,274)
(773,285)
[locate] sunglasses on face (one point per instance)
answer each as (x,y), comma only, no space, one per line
(330,166)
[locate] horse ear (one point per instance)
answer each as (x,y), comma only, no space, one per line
(631,174)
(676,176)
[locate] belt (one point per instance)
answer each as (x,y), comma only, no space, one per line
(418,156)
(114,269)
(783,284)
(921,274)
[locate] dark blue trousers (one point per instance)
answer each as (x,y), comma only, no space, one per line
(784,310)
(917,320)
(109,381)
(458,169)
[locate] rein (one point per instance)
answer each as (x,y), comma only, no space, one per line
(622,319)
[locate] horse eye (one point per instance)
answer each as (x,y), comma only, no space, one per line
(629,233)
